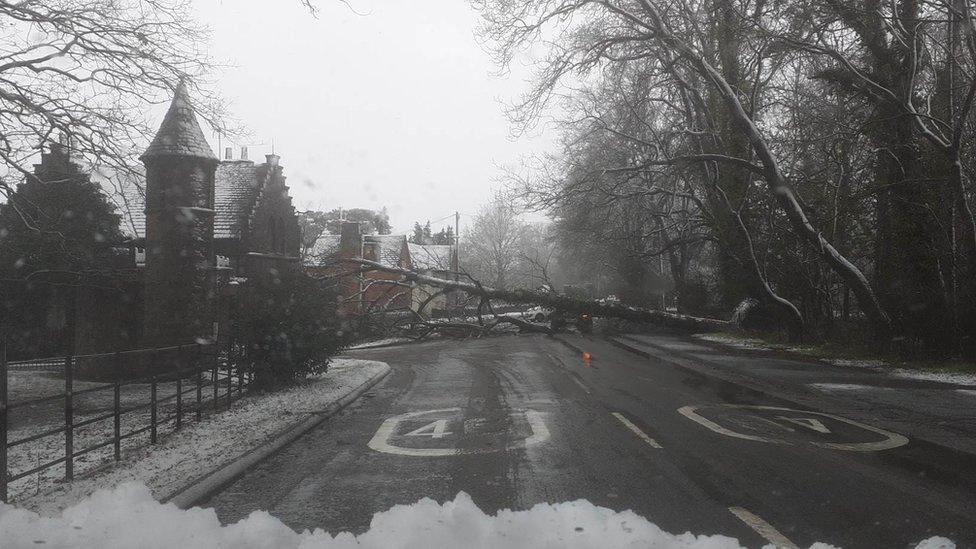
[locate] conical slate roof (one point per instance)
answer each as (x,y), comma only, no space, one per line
(180,133)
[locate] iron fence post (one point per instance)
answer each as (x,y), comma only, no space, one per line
(213,374)
(198,368)
(152,398)
(117,408)
(3,419)
(179,387)
(69,423)
(230,381)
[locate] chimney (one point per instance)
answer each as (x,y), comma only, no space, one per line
(243,153)
(228,153)
(272,159)
(350,239)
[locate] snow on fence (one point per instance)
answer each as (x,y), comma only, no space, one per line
(85,418)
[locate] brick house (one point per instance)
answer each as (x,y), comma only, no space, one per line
(376,290)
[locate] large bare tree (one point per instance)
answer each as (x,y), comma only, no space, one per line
(88,72)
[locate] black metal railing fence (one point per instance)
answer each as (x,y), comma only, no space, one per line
(199,376)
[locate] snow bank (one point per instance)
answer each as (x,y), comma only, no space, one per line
(128,516)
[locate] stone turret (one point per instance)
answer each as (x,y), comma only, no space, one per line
(180,288)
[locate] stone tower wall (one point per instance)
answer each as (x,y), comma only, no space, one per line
(180,289)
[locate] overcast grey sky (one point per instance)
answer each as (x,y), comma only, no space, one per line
(398,108)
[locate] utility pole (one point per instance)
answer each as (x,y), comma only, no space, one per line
(457,253)
(660,270)
(457,244)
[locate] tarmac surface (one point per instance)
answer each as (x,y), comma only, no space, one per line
(518,420)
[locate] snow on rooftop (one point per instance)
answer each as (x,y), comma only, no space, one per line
(388,248)
(325,245)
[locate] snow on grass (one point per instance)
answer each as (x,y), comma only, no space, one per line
(737,342)
(844,387)
(869,364)
(381,343)
(955,378)
(201,447)
(128,516)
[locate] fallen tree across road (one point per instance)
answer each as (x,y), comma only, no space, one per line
(551,300)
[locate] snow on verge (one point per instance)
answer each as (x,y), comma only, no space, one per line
(381,343)
(201,447)
(748,344)
(954,378)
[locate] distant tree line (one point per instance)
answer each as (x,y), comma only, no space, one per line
(422,234)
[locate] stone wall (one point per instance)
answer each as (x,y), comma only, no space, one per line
(179,274)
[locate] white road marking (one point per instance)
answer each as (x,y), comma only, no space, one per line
(627,423)
(892,440)
(763,528)
(808,422)
(970,392)
(434,429)
(381,440)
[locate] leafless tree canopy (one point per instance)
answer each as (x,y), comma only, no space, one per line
(90,71)
(816,155)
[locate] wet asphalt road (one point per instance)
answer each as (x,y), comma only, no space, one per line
(525,419)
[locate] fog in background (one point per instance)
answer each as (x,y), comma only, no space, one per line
(400,107)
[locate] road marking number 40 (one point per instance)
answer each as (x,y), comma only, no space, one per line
(434,429)
(439,431)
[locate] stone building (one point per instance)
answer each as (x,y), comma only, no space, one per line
(194,228)
(205,224)
(180,264)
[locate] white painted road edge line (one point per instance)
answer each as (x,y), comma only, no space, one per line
(636,430)
(763,528)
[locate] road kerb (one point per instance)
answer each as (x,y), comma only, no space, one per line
(206,486)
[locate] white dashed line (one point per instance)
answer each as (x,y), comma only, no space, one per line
(636,430)
(763,528)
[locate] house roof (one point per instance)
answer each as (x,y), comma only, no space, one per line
(431,257)
(236,188)
(388,248)
(324,246)
(180,133)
